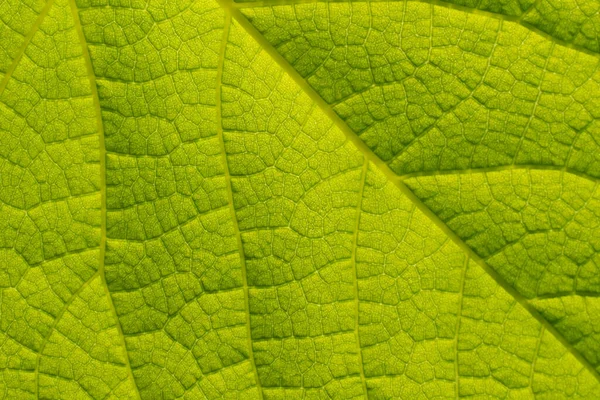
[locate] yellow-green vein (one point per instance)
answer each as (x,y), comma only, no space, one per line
(102,157)
(230,197)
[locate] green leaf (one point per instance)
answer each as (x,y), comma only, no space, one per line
(311,200)
(430,88)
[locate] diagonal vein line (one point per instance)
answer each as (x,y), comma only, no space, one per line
(391,176)
(17,59)
(230,197)
(440,3)
(102,156)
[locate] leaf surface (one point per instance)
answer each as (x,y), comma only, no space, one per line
(384,200)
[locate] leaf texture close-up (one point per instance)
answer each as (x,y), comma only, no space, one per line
(299,199)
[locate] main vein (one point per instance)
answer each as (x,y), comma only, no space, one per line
(393,177)
(102,157)
(230,197)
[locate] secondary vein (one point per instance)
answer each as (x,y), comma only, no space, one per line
(363,178)
(102,156)
(230,198)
